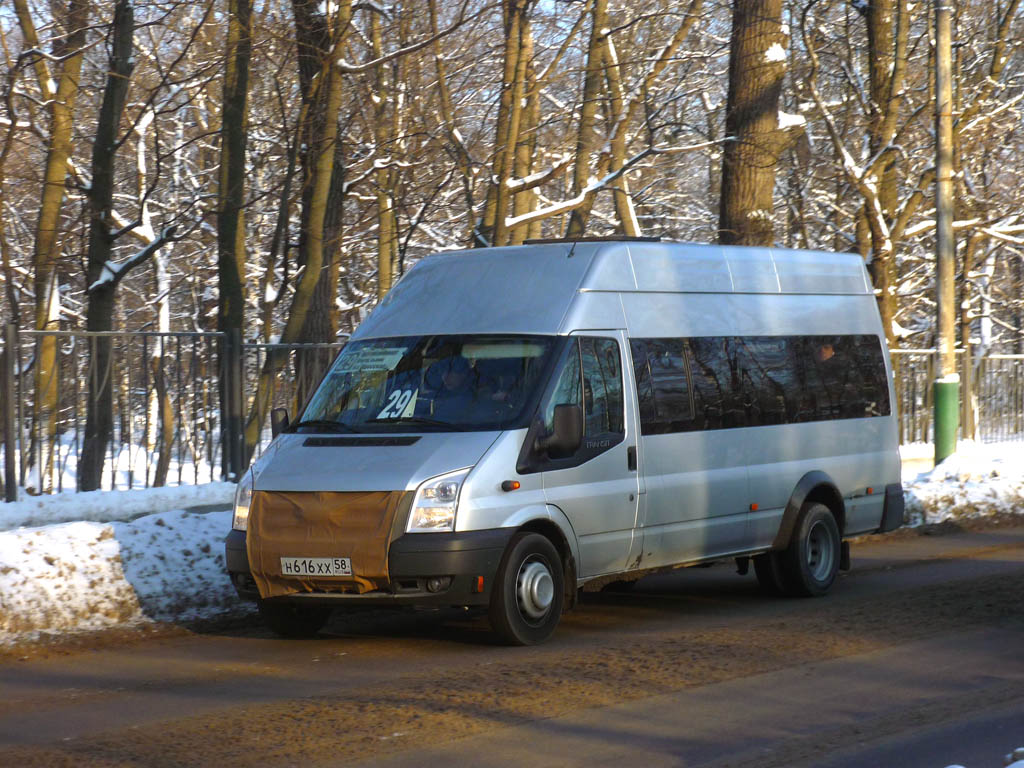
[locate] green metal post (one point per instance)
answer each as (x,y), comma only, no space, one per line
(947,416)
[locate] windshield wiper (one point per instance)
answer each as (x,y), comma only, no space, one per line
(419,420)
(325,425)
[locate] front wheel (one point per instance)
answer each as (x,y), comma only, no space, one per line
(526,602)
(287,619)
(812,560)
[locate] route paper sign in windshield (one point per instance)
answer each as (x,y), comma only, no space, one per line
(370,358)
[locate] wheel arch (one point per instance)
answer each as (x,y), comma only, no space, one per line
(815,486)
(554,533)
(551,523)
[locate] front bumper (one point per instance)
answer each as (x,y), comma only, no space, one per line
(412,560)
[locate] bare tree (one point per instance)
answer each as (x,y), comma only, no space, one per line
(60,96)
(757,64)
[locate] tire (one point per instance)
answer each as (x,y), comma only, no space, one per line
(528,593)
(811,561)
(286,619)
(768,568)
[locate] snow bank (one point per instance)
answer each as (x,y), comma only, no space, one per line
(87,575)
(1013,760)
(109,506)
(979,480)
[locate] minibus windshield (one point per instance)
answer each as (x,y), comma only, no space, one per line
(429,383)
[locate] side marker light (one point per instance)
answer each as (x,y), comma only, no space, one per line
(510,485)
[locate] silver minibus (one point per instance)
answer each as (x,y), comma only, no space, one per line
(511,423)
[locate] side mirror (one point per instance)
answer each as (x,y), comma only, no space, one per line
(567,434)
(278,421)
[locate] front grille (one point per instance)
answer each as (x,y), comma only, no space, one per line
(356,442)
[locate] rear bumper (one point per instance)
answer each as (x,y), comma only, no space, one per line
(412,560)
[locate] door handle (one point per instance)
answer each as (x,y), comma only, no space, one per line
(631,458)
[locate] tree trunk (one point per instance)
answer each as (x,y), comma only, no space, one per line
(757,64)
(384,110)
(231,193)
(887,31)
(586,138)
(321,322)
(458,149)
(492,230)
(67,49)
(321,179)
(100,309)
(231,202)
(524,202)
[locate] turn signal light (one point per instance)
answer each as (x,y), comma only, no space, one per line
(753,507)
(510,485)
(478,585)
(870,491)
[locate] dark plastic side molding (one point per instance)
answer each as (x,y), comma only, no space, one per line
(892,512)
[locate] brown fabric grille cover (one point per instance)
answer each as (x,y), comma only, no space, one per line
(359,526)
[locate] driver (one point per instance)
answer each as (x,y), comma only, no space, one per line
(456,393)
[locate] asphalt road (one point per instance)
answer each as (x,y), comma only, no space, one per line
(915,659)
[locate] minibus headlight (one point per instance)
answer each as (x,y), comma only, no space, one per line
(243,499)
(433,508)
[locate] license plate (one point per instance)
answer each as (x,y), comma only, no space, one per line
(316,566)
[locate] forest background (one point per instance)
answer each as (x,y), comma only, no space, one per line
(272,167)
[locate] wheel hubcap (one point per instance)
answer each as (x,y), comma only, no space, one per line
(821,551)
(535,589)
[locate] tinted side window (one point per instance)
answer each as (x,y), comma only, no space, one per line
(567,387)
(758,381)
(768,384)
(663,385)
(717,382)
(589,376)
(840,377)
(870,365)
(603,411)
(644,387)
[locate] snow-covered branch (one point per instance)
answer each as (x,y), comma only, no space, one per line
(541,177)
(597,185)
(352,69)
(113,272)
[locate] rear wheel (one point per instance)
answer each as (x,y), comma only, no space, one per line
(526,602)
(811,561)
(290,620)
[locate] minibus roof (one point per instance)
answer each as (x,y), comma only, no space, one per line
(530,288)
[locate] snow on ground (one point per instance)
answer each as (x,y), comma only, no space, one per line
(134,466)
(979,480)
(109,506)
(116,558)
(88,575)
(1013,760)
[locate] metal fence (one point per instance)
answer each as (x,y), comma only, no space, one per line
(294,383)
(180,401)
(991,395)
(171,395)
